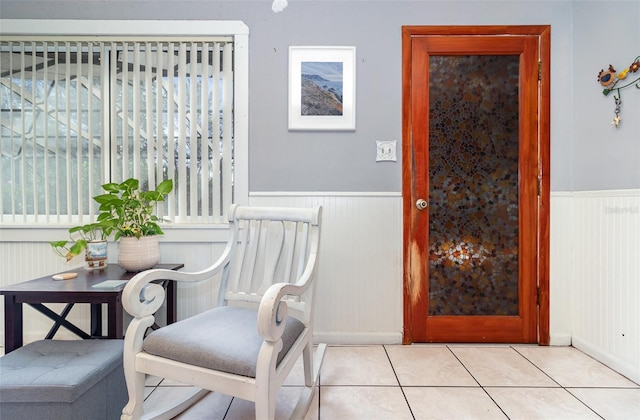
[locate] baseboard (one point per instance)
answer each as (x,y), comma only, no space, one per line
(560,340)
(620,366)
(358,338)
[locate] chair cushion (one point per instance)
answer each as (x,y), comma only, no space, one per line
(224,338)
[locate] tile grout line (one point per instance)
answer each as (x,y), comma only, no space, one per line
(556,382)
(384,347)
(478,382)
(319,392)
(155,387)
(536,366)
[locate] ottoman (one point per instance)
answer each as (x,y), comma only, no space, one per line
(54,379)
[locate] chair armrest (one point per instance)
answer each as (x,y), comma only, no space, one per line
(272,312)
(142,298)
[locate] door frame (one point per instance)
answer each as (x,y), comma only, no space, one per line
(414,271)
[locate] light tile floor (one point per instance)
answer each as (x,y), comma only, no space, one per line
(441,382)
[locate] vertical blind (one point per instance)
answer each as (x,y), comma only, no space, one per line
(77,113)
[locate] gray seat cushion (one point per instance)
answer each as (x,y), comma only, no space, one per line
(56,370)
(224,338)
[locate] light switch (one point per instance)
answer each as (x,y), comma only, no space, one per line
(386,150)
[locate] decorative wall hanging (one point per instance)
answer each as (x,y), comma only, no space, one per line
(610,80)
(322,88)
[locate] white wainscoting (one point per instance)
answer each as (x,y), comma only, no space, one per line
(595,270)
(360,273)
(560,271)
(605,287)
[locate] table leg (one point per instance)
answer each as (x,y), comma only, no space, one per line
(172,307)
(12,323)
(115,319)
(96,320)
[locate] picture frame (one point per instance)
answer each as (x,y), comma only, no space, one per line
(322,88)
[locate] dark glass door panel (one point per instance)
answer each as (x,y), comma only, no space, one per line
(473,184)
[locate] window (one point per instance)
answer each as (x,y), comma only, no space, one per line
(79,111)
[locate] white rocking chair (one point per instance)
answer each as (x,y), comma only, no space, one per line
(248,344)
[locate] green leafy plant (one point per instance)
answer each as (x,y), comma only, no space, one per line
(124,211)
(79,237)
(129,211)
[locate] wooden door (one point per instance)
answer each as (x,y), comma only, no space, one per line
(476,184)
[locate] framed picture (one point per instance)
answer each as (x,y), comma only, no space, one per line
(322,88)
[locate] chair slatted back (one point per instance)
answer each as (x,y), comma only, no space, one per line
(270,245)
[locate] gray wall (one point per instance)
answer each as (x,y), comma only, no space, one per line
(605,157)
(586,151)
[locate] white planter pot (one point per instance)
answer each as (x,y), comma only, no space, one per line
(138,254)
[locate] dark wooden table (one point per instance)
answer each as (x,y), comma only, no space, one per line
(78,290)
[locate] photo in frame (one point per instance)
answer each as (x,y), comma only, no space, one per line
(322,88)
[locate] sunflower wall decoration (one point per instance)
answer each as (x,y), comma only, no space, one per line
(612,81)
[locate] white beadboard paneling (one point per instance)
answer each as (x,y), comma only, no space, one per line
(360,272)
(561,262)
(198,297)
(595,270)
(606,272)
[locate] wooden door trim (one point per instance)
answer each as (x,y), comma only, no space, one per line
(544,160)
(413,269)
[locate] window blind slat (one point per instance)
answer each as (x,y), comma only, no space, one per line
(23,170)
(9,182)
(77,128)
(45,129)
(148,113)
(174,199)
(159,124)
(192,118)
(90,129)
(106,144)
(133,123)
(124,115)
(205,135)
(12,138)
(67,125)
(56,120)
(34,138)
(227,169)
(215,135)
(182,132)
(114,115)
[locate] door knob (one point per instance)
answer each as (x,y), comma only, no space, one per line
(422,204)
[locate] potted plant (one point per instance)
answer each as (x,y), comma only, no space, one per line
(129,214)
(90,239)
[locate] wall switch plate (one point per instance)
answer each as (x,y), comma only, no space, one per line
(386,150)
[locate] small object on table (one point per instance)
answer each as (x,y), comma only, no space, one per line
(65,276)
(110,284)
